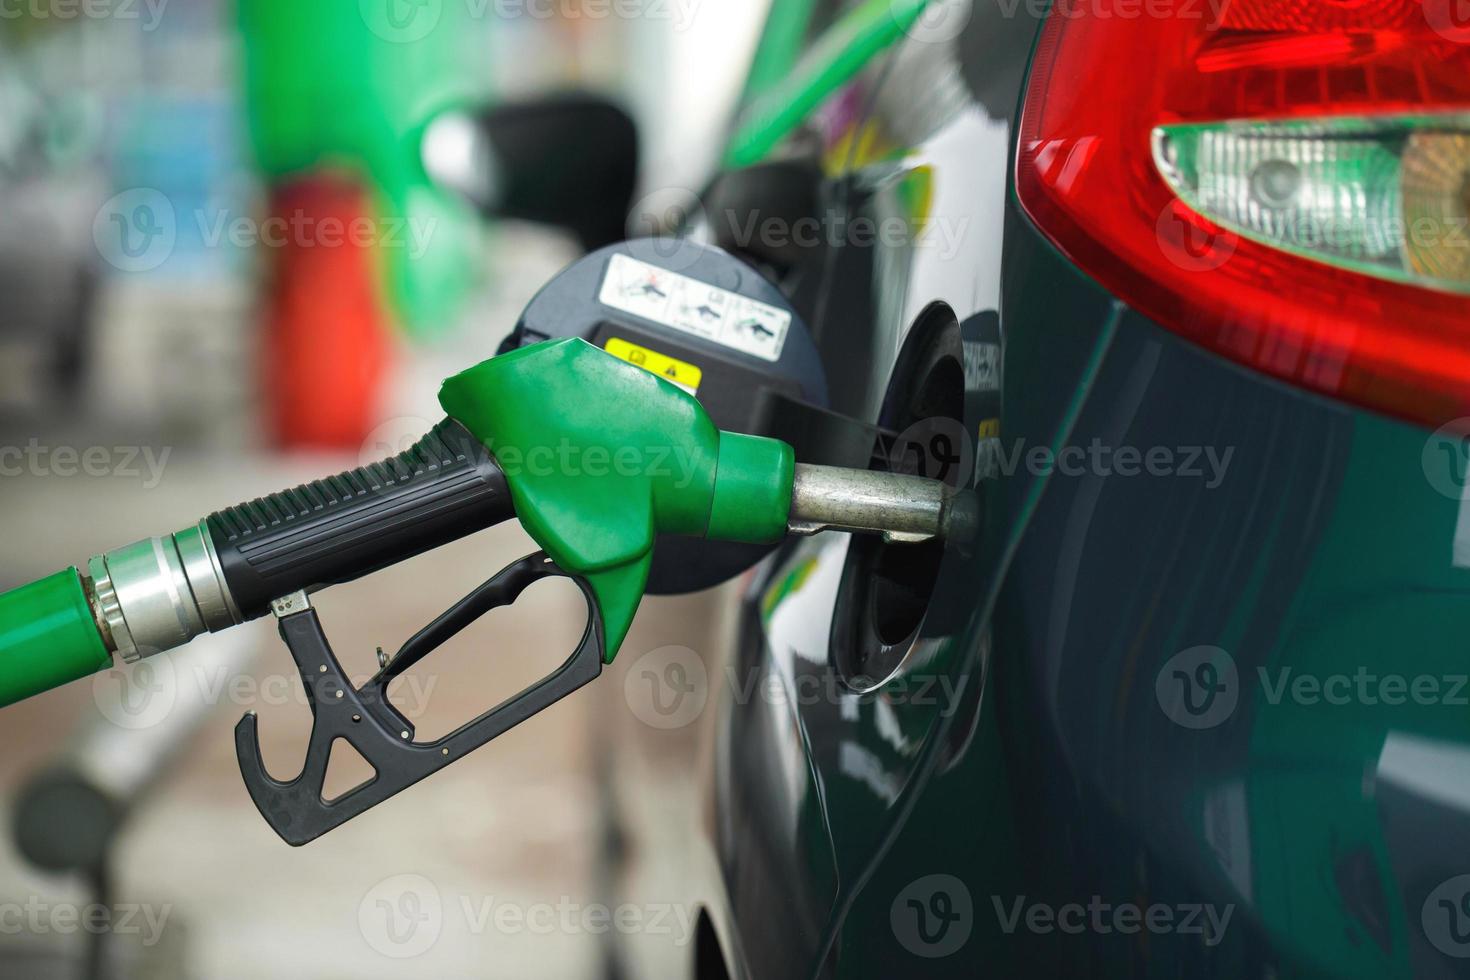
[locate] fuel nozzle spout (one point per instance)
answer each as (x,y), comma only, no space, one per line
(904,509)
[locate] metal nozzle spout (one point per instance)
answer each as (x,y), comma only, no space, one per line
(904,509)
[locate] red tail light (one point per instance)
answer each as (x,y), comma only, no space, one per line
(1285,182)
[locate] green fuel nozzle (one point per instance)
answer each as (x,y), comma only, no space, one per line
(602,456)
(596,458)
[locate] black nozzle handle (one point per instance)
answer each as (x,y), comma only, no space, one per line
(350,525)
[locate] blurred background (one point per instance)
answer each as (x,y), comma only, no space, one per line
(241,243)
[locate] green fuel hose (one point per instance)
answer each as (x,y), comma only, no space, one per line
(48,637)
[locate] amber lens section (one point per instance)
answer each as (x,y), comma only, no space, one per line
(1435,176)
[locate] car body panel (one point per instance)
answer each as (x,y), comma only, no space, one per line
(1073,756)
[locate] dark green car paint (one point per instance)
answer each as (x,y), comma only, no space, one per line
(1382,598)
(1326,834)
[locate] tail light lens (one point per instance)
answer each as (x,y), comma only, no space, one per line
(1285,182)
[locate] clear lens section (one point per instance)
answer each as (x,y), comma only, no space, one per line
(1389,197)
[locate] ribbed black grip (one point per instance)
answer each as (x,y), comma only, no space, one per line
(349,525)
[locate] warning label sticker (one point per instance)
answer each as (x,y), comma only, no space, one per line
(681,373)
(694,307)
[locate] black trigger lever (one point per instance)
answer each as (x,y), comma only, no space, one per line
(364,718)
